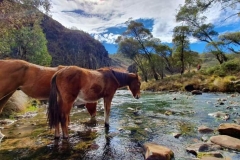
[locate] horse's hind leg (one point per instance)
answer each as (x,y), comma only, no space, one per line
(92,108)
(65,119)
(57,131)
(4,100)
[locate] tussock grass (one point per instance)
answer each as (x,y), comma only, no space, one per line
(177,83)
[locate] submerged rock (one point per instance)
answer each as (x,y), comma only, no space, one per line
(213,156)
(219,114)
(204,129)
(155,151)
(176,135)
(202,147)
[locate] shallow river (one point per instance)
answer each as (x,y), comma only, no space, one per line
(155,117)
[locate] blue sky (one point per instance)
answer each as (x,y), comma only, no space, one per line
(105,19)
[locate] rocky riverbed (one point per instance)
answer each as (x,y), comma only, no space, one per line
(191,126)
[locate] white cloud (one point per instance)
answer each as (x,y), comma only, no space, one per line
(99,15)
(107,37)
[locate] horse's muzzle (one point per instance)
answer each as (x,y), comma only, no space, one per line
(137,96)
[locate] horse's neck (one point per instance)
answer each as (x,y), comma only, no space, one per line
(122,78)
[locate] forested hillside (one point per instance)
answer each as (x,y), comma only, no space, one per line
(30,35)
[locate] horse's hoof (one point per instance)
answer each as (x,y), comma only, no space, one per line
(65,137)
(106,125)
(56,138)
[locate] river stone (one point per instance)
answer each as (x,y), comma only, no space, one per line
(189,87)
(176,135)
(204,129)
(205,90)
(226,141)
(220,114)
(157,152)
(202,147)
(231,129)
(196,92)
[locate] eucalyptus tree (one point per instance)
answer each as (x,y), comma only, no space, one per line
(166,53)
(225,4)
(231,40)
(191,14)
(181,43)
(144,39)
(130,47)
(30,44)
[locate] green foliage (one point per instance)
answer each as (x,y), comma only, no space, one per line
(231,39)
(191,13)
(32,45)
(227,68)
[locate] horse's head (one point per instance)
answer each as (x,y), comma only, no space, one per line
(134,85)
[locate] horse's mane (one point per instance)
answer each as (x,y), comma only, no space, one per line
(122,76)
(113,68)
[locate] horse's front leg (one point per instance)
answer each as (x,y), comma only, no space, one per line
(107,106)
(92,109)
(4,100)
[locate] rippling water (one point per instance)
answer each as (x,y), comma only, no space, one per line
(152,118)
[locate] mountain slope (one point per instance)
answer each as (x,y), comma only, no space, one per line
(73,47)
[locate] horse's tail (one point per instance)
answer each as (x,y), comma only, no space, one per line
(53,108)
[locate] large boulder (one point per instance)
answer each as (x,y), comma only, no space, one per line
(17,103)
(226,141)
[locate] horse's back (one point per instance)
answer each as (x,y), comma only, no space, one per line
(32,79)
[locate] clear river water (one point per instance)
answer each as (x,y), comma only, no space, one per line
(155,117)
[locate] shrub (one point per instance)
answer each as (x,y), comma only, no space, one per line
(227,68)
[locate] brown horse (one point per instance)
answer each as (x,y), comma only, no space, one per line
(33,80)
(75,85)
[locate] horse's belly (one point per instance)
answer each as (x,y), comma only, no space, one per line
(84,98)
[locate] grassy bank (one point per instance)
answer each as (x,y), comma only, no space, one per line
(199,81)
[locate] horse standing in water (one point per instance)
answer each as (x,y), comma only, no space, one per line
(33,80)
(75,85)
